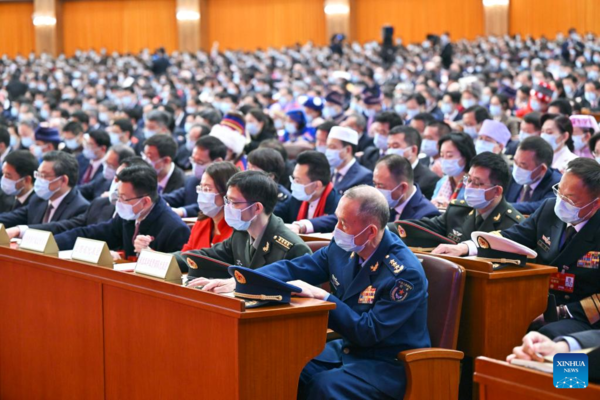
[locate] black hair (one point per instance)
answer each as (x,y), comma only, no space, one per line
(535,119)
(81,117)
(563,124)
(257,187)
(269,160)
(399,168)
(64,164)
(160,117)
(542,150)
(442,127)
(143,178)
(495,163)
(4,136)
(101,138)
(318,166)
(411,136)
(276,145)
(463,143)
(165,145)
(419,98)
(211,115)
(503,99)
(24,163)
(74,127)
(564,106)
(216,148)
(425,117)
(326,126)
(588,171)
(454,96)
(124,125)
(592,143)
(221,172)
(389,117)
(134,160)
(123,152)
(481,113)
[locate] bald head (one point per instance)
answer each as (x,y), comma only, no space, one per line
(369,204)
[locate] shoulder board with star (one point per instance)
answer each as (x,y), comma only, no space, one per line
(460,203)
(283,242)
(393,264)
(514,214)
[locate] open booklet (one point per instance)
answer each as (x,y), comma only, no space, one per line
(547,364)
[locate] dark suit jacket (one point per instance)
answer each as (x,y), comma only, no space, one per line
(182,158)
(10,203)
(95,188)
(185,197)
(100,210)
(236,249)
(542,192)
(72,205)
(426,179)
(169,231)
(326,223)
(98,175)
(356,175)
(176,181)
(370,157)
(83,164)
(459,221)
(417,207)
(364,142)
(543,232)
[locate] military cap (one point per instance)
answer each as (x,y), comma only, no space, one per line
(206,267)
(414,235)
(502,252)
(258,289)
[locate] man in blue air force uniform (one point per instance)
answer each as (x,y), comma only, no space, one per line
(380,292)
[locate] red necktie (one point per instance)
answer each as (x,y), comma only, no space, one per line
(88,174)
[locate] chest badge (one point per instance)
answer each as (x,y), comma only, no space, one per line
(367,296)
(334,280)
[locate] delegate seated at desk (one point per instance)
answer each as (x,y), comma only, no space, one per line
(380,292)
(141,211)
(565,233)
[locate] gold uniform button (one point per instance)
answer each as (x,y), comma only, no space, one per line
(346,350)
(567,297)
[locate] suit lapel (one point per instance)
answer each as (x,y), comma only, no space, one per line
(63,205)
(581,243)
(367,272)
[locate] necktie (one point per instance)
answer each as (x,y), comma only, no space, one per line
(525,194)
(160,189)
(570,232)
(356,268)
(478,221)
(47,214)
(135,233)
(337,178)
(88,174)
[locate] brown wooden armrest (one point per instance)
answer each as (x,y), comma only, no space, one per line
(431,374)
(429,353)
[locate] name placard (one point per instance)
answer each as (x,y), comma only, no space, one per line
(39,241)
(92,251)
(4,239)
(158,265)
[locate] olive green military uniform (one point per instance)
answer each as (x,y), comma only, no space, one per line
(277,243)
(460,220)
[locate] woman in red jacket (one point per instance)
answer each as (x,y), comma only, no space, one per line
(211,227)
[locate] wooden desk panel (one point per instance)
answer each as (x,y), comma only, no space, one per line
(69,330)
(50,332)
(499,380)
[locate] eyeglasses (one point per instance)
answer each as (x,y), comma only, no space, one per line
(124,200)
(206,189)
(561,196)
(227,201)
(38,175)
(467,181)
(192,161)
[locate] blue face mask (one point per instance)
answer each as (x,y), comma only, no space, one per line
(89,153)
(568,213)
(446,108)
(451,167)
(495,110)
(206,202)
(398,152)
(42,188)
(198,170)
(72,144)
(321,149)
(347,242)
(400,109)
(291,128)
(108,172)
(334,158)
(522,176)
(476,198)
(299,190)
(411,113)
(10,187)
(481,146)
(551,139)
(380,141)
(429,147)
(233,217)
(115,138)
(252,128)
(388,196)
(524,135)
(148,133)
(125,211)
(26,142)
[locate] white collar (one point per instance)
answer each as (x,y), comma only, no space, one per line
(344,170)
(400,207)
(56,202)
(164,181)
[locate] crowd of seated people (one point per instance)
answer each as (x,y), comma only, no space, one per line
(264,146)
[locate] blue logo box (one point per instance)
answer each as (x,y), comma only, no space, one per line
(570,371)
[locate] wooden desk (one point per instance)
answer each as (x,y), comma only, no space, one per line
(69,330)
(498,306)
(499,380)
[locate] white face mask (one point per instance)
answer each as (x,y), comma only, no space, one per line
(206,202)
(451,167)
(388,196)
(42,188)
(551,139)
(108,172)
(429,147)
(380,141)
(578,142)
(481,146)
(299,190)
(524,135)
(233,217)
(334,157)
(9,186)
(471,131)
(398,152)
(125,211)
(522,176)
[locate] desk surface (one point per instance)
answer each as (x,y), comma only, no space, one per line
(85,332)
(500,380)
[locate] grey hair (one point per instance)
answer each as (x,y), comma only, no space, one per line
(371,203)
(361,121)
